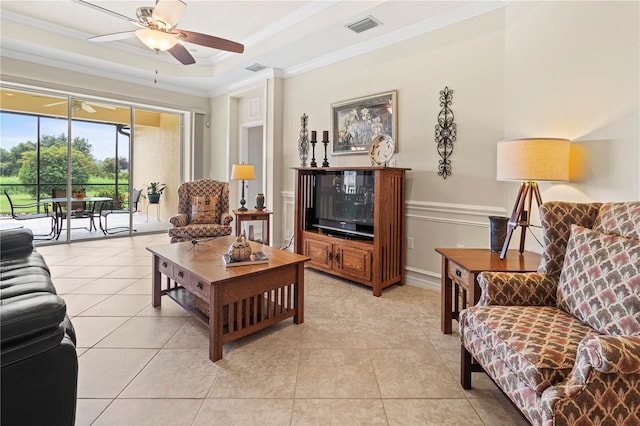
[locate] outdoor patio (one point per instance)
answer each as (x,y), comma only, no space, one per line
(142,224)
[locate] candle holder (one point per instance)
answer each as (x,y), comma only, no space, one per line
(314,141)
(325,142)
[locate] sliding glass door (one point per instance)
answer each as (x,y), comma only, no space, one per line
(82,161)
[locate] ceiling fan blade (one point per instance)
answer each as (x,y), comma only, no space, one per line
(167,13)
(99,105)
(55,104)
(209,41)
(112,36)
(182,54)
(110,12)
(88,108)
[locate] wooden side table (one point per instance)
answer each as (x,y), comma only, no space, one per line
(252,214)
(462,266)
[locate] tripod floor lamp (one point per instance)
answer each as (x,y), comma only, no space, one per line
(529,161)
(242,172)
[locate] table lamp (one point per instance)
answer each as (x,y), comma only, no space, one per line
(530,160)
(242,172)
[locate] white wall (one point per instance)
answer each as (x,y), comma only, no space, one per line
(560,69)
(572,71)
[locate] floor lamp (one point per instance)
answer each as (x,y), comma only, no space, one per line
(529,161)
(242,172)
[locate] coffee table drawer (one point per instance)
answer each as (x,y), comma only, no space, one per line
(181,275)
(165,267)
(199,288)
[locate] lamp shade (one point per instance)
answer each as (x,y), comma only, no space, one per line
(157,40)
(242,172)
(534,159)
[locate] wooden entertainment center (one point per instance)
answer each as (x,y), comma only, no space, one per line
(350,222)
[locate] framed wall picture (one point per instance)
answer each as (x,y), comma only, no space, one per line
(356,122)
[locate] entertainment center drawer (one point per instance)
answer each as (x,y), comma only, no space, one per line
(319,252)
(353,261)
(347,258)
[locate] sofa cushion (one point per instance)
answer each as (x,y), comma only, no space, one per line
(556,218)
(16,243)
(619,219)
(195,230)
(30,314)
(205,209)
(600,281)
(32,263)
(538,343)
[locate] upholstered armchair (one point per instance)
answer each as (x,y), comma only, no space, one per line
(563,343)
(203,211)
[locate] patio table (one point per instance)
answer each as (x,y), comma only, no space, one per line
(57,208)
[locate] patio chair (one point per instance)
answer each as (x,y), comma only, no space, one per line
(108,208)
(30,216)
(79,210)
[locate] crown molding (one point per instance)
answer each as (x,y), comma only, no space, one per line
(457,15)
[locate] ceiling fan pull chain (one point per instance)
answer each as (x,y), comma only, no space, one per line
(155,77)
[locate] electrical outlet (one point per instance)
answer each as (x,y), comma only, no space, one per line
(410,243)
(459,245)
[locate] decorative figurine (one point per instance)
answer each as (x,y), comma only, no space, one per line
(303,141)
(240,249)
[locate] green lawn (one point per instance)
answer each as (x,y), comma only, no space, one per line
(19,194)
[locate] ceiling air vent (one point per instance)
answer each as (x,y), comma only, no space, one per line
(363,24)
(256,67)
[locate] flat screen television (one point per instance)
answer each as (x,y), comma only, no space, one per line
(343,203)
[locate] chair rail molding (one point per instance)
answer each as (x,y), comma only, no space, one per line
(441,212)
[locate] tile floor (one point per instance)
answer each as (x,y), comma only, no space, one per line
(357,359)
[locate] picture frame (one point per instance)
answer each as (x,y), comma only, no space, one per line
(355,122)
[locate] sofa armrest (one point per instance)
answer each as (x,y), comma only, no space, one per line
(16,243)
(607,354)
(226,219)
(180,219)
(604,382)
(517,289)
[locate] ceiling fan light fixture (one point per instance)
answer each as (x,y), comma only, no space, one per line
(156,40)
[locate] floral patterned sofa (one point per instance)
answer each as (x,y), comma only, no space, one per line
(563,343)
(203,211)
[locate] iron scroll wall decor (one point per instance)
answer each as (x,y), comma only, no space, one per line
(445,133)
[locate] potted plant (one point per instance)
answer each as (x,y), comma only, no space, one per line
(154,190)
(78,192)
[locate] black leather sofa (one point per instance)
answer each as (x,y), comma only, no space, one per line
(39,365)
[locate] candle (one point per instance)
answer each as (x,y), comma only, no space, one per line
(313,135)
(325,135)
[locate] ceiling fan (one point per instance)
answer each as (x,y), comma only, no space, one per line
(158,30)
(78,105)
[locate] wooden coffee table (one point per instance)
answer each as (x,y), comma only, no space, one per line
(242,299)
